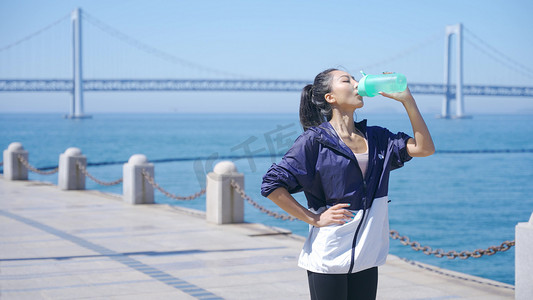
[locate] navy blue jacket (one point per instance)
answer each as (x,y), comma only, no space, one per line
(326,170)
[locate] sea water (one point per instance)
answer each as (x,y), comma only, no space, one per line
(461,198)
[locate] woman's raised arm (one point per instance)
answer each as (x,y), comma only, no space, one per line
(421,144)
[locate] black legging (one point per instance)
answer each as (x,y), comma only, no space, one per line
(360,285)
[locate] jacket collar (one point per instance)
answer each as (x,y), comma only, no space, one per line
(328,136)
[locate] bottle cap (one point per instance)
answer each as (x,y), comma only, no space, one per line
(361,89)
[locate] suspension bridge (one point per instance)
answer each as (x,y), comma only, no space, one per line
(78,85)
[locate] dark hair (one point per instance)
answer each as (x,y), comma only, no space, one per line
(314,109)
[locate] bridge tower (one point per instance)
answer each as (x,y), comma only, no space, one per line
(459,111)
(76,108)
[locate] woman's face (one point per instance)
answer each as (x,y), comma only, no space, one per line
(344,93)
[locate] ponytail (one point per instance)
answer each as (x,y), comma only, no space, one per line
(310,114)
(314,109)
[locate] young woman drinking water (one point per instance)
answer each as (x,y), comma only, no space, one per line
(343,169)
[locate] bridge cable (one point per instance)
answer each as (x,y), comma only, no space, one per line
(497,59)
(510,63)
(30,36)
(151,50)
(406,51)
(497,51)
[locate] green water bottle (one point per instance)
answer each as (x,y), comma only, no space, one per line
(370,85)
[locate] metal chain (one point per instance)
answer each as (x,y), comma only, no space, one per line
(151,180)
(83,169)
(452,254)
(274,214)
(35,170)
(394,235)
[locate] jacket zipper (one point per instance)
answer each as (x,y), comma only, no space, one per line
(354,242)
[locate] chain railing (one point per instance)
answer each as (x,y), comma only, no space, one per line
(452,254)
(274,214)
(152,182)
(26,164)
(394,235)
(506,245)
(84,171)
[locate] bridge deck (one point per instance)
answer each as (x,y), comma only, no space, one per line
(251,85)
(85,244)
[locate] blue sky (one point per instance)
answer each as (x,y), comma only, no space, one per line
(264,39)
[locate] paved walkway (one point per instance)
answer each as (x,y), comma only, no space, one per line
(88,245)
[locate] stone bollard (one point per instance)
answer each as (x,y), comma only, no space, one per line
(13,168)
(223,204)
(136,189)
(524,260)
(70,176)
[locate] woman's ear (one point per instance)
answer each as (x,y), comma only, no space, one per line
(329,98)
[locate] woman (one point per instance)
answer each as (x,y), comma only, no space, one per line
(343,169)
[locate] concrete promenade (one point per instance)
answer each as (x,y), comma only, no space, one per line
(89,245)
